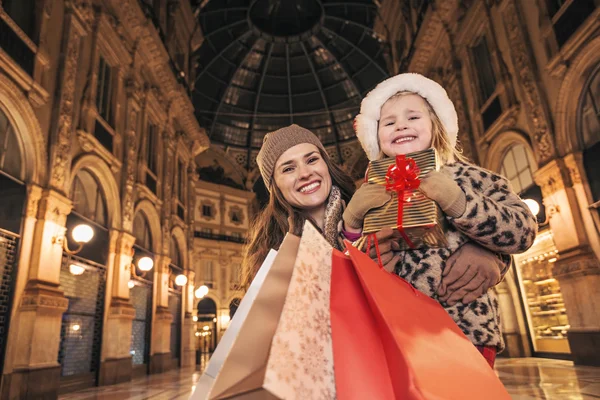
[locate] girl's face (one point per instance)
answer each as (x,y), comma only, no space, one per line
(405,125)
(303,177)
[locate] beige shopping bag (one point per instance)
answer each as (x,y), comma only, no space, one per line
(300,364)
(237,368)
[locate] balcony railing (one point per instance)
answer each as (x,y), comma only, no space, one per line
(223,238)
(16,48)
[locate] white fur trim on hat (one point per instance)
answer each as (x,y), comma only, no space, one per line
(367,121)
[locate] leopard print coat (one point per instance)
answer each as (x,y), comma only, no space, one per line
(496,218)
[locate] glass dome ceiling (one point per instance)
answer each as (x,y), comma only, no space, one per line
(265,64)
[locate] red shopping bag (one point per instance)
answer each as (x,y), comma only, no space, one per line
(425,354)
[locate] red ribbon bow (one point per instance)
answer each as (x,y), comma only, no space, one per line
(402,176)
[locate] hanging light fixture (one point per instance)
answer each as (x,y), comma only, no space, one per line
(181,280)
(76,269)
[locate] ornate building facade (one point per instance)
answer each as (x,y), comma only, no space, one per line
(525,78)
(96,127)
(222,218)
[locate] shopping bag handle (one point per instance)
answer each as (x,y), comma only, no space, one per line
(373,237)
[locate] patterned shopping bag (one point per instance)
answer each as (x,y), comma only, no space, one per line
(301,362)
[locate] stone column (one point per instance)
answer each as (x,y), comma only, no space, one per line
(160,351)
(35,338)
(514,329)
(115,365)
(577,268)
(188,343)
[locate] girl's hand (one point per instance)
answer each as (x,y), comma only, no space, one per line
(367,197)
(444,190)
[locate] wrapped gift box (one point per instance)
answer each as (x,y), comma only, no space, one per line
(422,220)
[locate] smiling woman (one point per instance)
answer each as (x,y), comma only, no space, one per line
(303,185)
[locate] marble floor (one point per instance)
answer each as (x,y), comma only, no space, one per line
(525,379)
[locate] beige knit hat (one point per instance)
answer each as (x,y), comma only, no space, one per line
(277,142)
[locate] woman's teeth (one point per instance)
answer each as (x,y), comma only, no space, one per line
(310,187)
(404,139)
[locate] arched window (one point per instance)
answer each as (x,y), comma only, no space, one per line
(589,133)
(88,198)
(175,254)
(517,168)
(590,111)
(11,160)
(141,232)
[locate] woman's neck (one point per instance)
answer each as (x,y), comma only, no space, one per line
(318,215)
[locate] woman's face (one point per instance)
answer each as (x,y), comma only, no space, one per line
(303,177)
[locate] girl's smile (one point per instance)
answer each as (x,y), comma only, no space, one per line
(405,125)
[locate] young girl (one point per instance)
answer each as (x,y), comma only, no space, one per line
(408,113)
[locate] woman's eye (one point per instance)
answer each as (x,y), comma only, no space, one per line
(288,169)
(413,118)
(313,160)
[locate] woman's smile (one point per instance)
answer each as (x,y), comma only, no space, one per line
(310,188)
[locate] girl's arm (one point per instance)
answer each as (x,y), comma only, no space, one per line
(494,215)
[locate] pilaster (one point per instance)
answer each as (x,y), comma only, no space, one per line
(577,268)
(188,343)
(35,339)
(116,366)
(160,355)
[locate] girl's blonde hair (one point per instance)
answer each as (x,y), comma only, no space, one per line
(439,138)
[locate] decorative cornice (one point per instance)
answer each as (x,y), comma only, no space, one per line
(533,100)
(34,195)
(430,36)
(152,49)
(63,126)
(90,144)
(574,163)
(54,207)
(575,264)
(552,177)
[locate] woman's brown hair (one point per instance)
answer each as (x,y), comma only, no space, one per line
(271,225)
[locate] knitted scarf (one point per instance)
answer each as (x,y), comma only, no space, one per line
(333,216)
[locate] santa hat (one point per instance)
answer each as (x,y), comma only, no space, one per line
(365,123)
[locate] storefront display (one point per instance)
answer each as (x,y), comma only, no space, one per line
(544,304)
